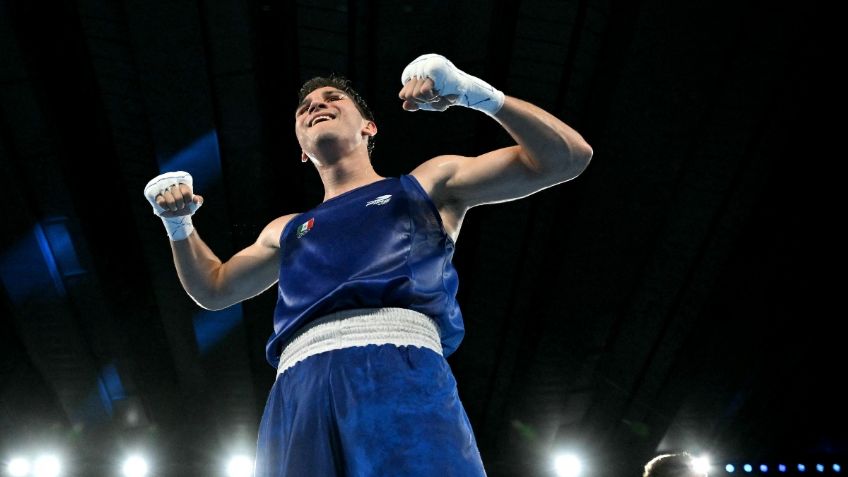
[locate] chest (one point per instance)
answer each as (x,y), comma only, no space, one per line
(353,232)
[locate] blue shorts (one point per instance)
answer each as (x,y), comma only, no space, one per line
(367,411)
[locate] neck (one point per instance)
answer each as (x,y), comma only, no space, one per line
(346,174)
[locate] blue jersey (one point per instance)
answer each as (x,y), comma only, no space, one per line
(380,245)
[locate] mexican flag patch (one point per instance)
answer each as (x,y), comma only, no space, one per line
(305,227)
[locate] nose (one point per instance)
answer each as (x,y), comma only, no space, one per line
(318,103)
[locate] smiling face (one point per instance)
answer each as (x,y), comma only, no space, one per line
(329,124)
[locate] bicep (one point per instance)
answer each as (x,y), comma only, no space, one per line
(497,176)
(254,269)
(249,272)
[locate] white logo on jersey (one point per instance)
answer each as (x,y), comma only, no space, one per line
(382,200)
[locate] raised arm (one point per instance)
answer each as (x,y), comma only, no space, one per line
(211,283)
(548,151)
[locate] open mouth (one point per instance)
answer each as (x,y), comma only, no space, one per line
(320,119)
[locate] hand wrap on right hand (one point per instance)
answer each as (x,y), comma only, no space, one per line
(178,227)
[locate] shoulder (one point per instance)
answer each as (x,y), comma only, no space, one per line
(435,175)
(270,235)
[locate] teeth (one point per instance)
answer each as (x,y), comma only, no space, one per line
(314,121)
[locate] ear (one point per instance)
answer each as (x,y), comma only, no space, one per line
(303,157)
(370,129)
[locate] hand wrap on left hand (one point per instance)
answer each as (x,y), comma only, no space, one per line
(448,80)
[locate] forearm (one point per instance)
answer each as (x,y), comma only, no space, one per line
(212,284)
(548,144)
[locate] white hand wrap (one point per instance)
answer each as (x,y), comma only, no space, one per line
(472,92)
(178,228)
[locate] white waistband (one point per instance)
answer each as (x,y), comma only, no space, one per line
(361,327)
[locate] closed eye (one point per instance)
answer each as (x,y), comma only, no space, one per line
(332,97)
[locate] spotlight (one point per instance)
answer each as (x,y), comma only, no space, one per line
(701,465)
(47,466)
(763,468)
(240,466)
(18,467)
(781,468)
(747,468)
(730,468)
(819,467)
(837,468)
(135,466)
(567,465)
(802,468)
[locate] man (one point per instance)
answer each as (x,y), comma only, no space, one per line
(681,464)
(366,309)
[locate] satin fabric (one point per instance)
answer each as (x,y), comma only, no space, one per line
(372,411)
(380,245)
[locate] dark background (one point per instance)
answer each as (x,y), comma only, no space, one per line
(684,293)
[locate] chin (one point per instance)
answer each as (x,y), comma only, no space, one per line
(328,144)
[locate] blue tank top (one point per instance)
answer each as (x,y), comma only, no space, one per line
(380,245)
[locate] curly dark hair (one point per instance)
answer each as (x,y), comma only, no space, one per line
(343,84)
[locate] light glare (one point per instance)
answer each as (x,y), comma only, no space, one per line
(240,466)
(701,465)
(567,465)
(47,466)
(135,466)
(18,467)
